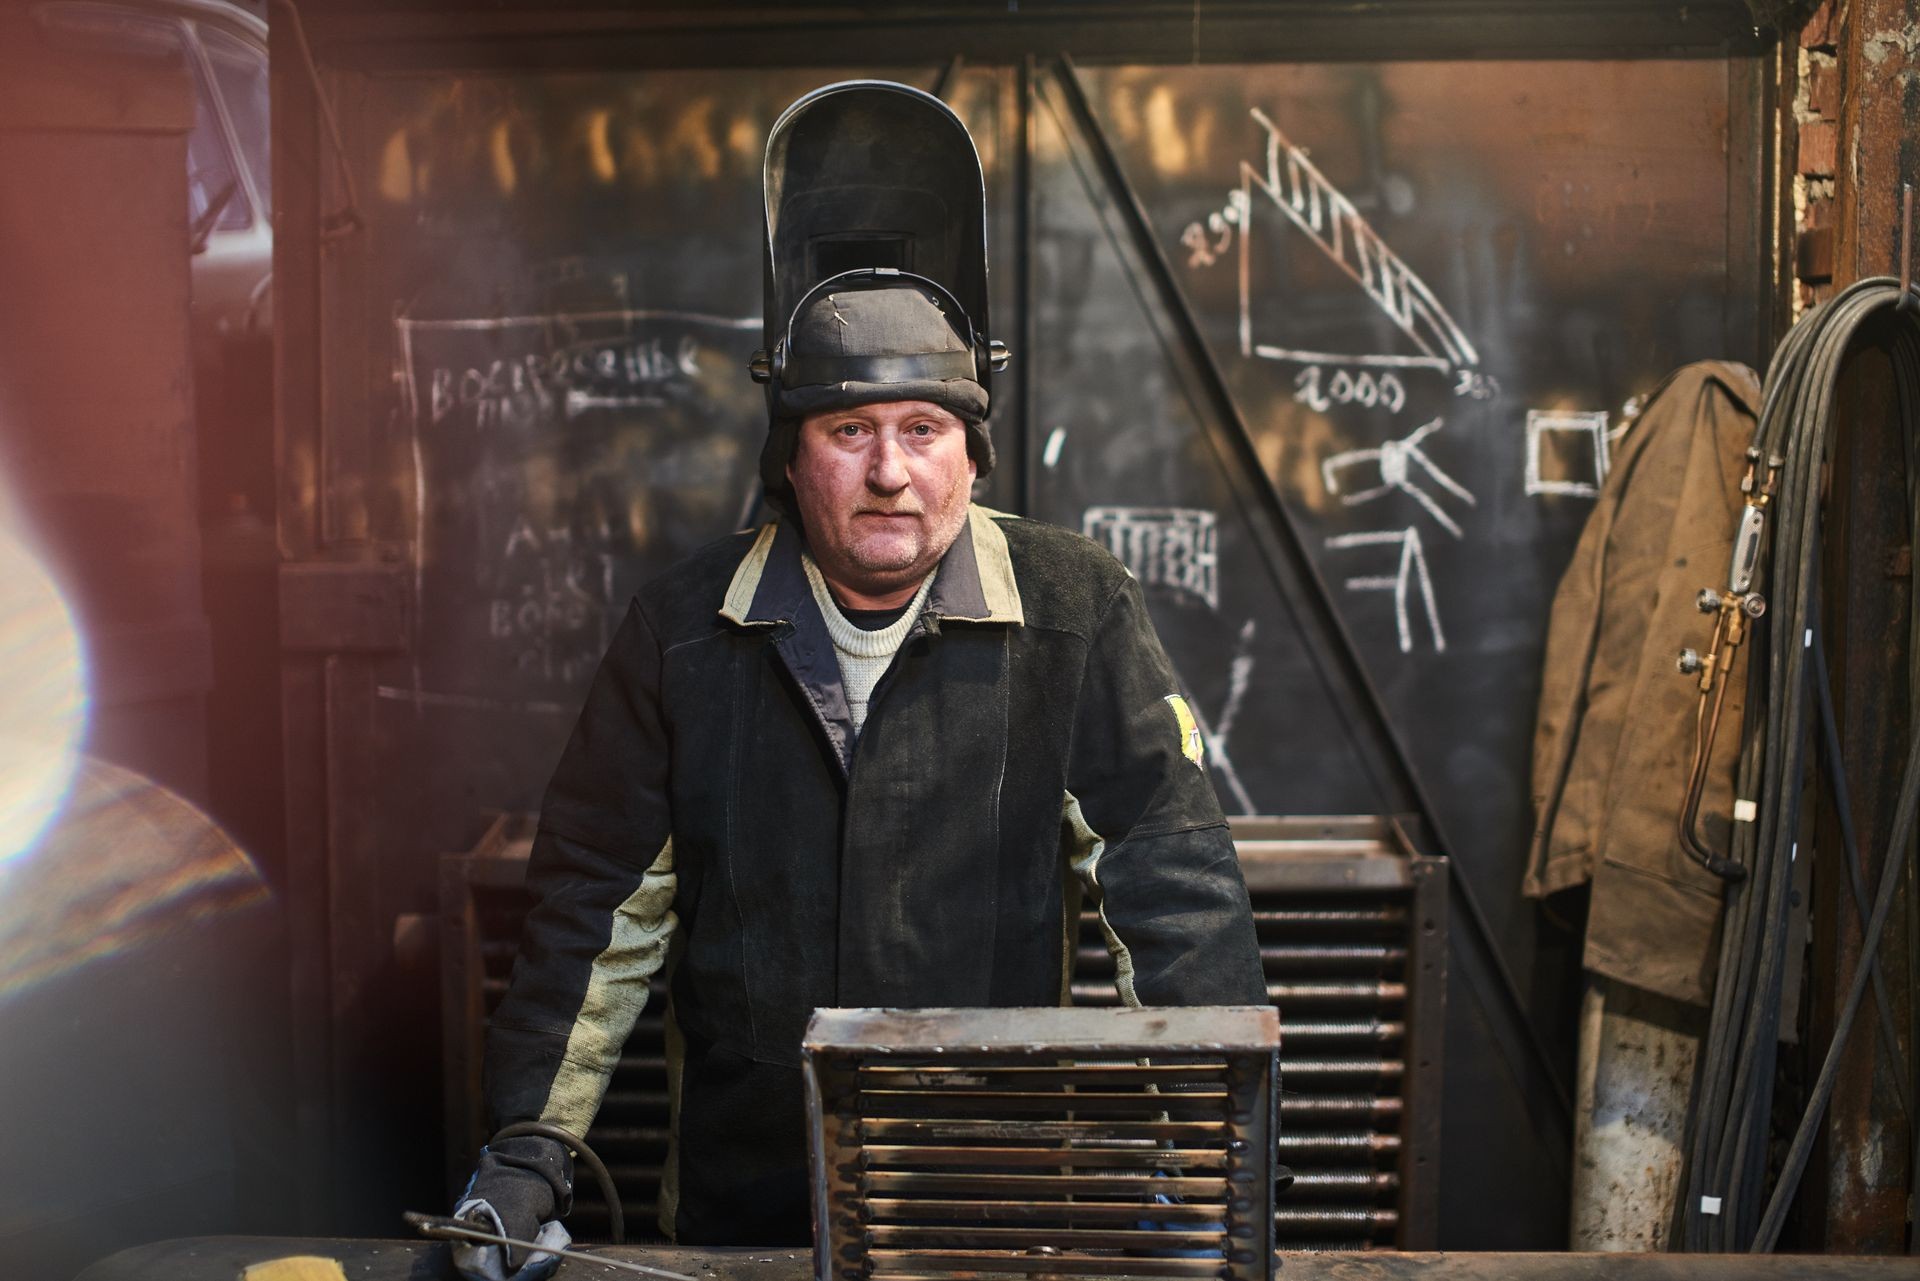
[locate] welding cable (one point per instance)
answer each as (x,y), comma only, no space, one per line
(1732,1103)
(1850,854)
(1811,386)
(616,1221)
(1801,1148)
(1729,1121)
(1715,1110)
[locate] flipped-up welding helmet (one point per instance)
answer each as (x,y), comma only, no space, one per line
(875,266)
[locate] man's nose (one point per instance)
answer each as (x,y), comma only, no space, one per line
(887,468)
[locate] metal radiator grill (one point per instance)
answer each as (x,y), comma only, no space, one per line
(1352,930)
(1056,1142)
(1351,925)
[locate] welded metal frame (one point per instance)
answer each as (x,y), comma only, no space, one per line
(1426,1039)
(1367,860)
(1022,1083)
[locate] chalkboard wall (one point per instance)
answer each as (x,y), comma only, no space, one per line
(1434,290)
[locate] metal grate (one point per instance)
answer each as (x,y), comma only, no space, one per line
(1050,1142)
(1352,924)
(1352,929)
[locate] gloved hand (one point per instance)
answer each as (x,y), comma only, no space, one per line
(478,1261)
(520,1188)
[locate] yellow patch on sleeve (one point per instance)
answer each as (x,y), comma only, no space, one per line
(1191,746)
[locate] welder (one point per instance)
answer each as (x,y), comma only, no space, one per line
(877,752)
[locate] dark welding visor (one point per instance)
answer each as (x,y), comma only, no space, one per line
(868,175)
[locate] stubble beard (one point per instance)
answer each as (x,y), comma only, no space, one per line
(918,558)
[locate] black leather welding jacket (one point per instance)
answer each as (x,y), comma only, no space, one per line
(1027,746)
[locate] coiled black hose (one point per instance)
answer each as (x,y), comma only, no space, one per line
(1724,1205)
(616,1221)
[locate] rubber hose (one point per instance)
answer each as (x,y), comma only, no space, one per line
(1850,854)
(616,1221)
(1729,1121)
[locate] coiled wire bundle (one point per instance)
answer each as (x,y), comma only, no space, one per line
(1722,1206)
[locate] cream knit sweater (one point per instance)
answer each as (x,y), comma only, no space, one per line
(863,655)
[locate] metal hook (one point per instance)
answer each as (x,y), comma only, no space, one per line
(1909,301)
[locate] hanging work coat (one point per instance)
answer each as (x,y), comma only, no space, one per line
(1615,737)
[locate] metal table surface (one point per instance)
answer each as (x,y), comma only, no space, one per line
(223,1259)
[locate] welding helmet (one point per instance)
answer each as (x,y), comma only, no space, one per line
(875,265)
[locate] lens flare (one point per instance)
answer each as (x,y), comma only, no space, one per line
(126,863)
(43,705)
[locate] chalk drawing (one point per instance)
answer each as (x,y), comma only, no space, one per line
(1410,573)
(1267,351)
(513,389)
(1346,388)
(1239,676)
(552,600)
(1629,414)
(1208,243)
(1395,461)
(1542,423)
(579,376)
(1317,208)
(1056,439)
(579,402)
(1473,383)
(556,367)
(1173,547)
(1218,736)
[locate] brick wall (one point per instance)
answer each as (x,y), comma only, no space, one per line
(1814,119)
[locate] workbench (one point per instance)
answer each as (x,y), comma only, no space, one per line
(223,1259)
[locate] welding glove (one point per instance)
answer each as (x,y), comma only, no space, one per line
(520,1188)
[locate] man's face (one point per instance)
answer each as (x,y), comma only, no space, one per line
(883,492)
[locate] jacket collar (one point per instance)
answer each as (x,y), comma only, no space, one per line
(974,583)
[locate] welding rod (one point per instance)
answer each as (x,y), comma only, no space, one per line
(434,1226)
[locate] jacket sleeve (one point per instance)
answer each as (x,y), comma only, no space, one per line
(1143,828)
(602,879)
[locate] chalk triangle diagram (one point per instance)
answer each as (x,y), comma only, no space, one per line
(1291,184)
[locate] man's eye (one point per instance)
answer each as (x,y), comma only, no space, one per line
(921,429)
(848,429)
